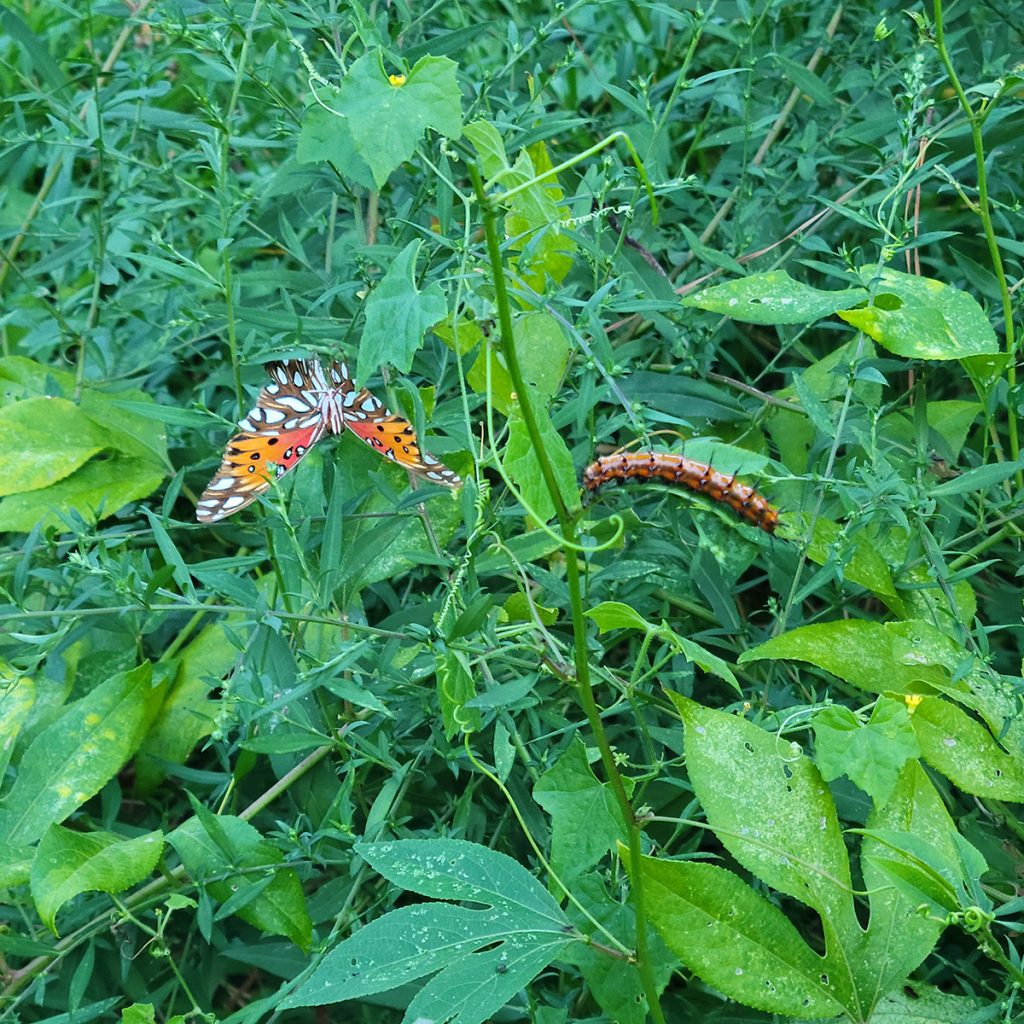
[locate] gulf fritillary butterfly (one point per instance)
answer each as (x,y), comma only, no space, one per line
(678,469)
(303,402)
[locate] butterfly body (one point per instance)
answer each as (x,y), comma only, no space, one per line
(303,402)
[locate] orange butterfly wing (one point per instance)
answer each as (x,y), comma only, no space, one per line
(285,423)
(393,437)
(387,433)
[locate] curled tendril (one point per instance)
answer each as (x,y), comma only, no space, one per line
(974,919)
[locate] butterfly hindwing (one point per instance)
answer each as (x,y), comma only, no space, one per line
(393,437)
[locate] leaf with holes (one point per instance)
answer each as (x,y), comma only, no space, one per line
(483,956)
(774,298)
(920,318)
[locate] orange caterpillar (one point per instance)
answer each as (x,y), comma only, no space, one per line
(678,469)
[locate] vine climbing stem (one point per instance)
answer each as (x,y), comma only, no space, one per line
(567,525)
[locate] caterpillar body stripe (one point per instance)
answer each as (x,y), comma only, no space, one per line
(679,470)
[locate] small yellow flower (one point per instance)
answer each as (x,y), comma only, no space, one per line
(912,700)
(397,80)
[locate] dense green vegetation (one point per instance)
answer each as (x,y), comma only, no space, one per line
(500,753)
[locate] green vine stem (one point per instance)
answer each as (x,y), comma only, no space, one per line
(568,530)
(976,119)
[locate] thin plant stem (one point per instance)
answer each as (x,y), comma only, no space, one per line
(976,119)
(567,527)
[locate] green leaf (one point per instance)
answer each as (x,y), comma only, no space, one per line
(980,479)
(614,615)
(965,751)
(898,937)
(97,490)
(271,900)
(615,983)
(861,652)
(484,956)
(17,696)
(69,863)
(543,355)
(795,844)
(397,316)
(45,440)
(489,146)
(923,871)
(735,940)
(455,688)
(918,1003)
(586,822)
(871,755)
(326,135)
(75,756)
(611,615)
(920,318)
(533,224)
(185,716)
(773,298)
(523,464)
(806,81)
(384,119)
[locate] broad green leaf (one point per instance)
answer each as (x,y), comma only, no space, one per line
(74,757)
(452,869)
(131,424)
(397,316)
(735,940)
(870,754)
(862,652)
(381,544)
(920,318)
(806,81)
(753,784)
(951,420)
(519,931)
(898,938)
(980,479)
(69,863)
(326,135)
(917,1003)
(97,490)
(387,116)
(533,223)
(543,356)
(22,378)
(522,463)
(965,751)
(185,716)
(586,822)
(15,866)
(17,695)
(223,845)
(45,440)
(773,298)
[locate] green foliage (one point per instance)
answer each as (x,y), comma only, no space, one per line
(419,752)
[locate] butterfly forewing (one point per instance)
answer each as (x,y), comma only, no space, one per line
(285,423)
